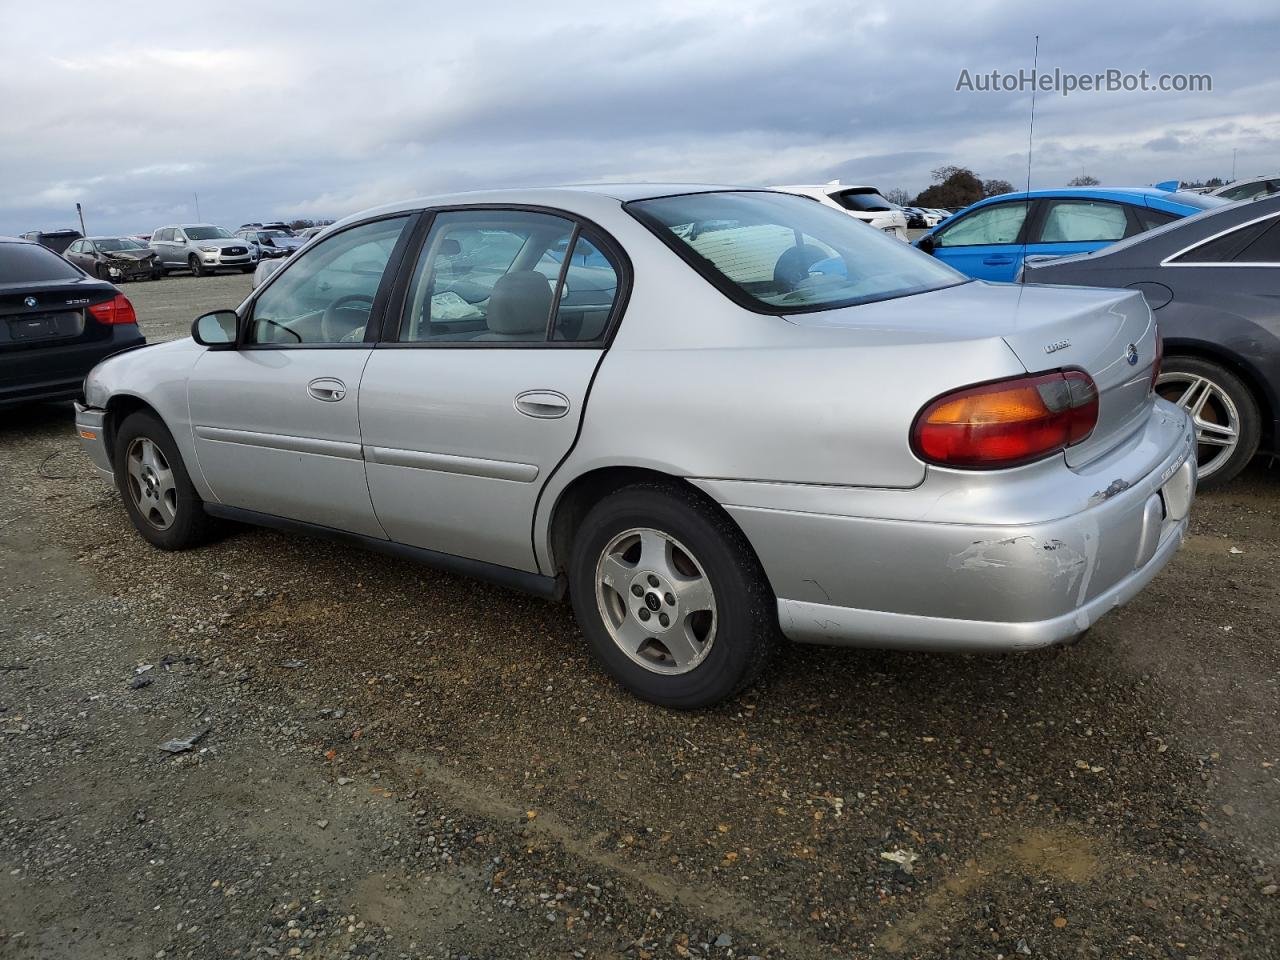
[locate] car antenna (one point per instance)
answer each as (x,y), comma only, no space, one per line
(1035,62)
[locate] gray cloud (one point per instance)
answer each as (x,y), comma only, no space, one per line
(321,109)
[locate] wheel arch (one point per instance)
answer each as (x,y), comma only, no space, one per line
(119,407)
(587,489)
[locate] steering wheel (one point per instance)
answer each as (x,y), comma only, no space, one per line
(333,330)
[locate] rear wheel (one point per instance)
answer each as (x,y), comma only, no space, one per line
(153,482)
(197,268)
(671,596)
(1227,421)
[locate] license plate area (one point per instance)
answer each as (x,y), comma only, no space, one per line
(44,326)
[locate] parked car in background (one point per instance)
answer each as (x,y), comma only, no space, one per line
(752,494)
(272,225)
(1212,281)
(55,240)
(310,232)
(862,203)
(56,323)
(115,258)
(270,242)
(202,248)
(988,240)
(1249,189)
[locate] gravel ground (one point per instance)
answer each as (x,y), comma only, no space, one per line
(395,762)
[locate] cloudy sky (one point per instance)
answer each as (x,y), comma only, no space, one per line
(318,108)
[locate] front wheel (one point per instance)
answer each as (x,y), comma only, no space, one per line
(197,268)
(153,482)
(1224,411)
(671,596)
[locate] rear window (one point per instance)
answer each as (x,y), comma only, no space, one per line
(778,253)
(1202,201)
(863,201)
(29,263)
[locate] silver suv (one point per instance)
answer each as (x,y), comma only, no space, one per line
(202,248)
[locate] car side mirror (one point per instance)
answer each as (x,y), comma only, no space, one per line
(927,243)
(217,329)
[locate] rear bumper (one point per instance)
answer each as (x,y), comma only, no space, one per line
(90,428)
(924,576)
(58,372)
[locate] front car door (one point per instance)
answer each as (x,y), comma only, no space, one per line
(477,395)
(986,244)
(275,420)
(81,254)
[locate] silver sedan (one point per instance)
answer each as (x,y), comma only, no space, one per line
(712,416)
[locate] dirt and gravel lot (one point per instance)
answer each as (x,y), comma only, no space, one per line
(396,762)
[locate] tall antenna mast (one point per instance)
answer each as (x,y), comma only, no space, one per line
(1035,62)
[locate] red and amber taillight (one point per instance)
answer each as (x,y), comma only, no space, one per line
(1008,422)
(116,310)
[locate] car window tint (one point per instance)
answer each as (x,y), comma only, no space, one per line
(326,294)
(30,263)
(1083,221)
(1265,249)
(1224,249)
(999,223)
(487,276)
(586,300)
(1149,219)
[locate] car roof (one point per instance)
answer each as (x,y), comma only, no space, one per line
(1100,193)
(824,187)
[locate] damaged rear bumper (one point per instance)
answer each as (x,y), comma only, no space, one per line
(939,570)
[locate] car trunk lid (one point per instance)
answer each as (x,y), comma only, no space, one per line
(49,313)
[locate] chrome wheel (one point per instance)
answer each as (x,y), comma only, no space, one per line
(1213,412)
(151,484)
(656,601)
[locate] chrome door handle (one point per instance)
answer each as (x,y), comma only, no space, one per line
(543,404)
(327,389)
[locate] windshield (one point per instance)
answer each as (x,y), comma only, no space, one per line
(31,263)
(273,233)
(785,254)
(206,233)
(112,244)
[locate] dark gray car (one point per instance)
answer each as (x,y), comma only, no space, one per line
(1213,281)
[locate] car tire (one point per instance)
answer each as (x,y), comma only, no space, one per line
(196,267)
(100,272)
(1225,400)
(248,269)
(683,554)
(162,503)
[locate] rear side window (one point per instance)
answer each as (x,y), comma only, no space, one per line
(862,201)
(1149,219)
(1265,249)
(586,299)
(1227,247)
(1083,221)
(29,263)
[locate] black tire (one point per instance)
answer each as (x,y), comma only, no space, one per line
(157,274)
(1246,404)
(248,269)
(746,628)
(100,272)
(190,526)
(196,267)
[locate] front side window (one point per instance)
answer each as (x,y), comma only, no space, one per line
(1083,221)
(778,252)
(487,276)
(326,295)
(999,223)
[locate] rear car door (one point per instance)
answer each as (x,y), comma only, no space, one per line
(275,419)
(1079,225)
(986,244)
(162,244)
(475,397)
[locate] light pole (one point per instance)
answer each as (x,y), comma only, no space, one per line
(1234,151)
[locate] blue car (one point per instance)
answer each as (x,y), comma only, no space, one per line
(989,239)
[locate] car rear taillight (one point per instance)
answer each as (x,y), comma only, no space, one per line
(1159,360)
(1008,422)
(116,310)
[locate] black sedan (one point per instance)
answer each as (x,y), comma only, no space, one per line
(115,258)
(1213,281)
(56,323)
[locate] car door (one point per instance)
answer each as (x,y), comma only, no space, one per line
(1066,226)
(477,395)
(986,244)
(275,420)
(162,243)
(79,254)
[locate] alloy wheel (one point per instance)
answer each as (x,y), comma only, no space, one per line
(1213,412)
(151,483)
(656,601)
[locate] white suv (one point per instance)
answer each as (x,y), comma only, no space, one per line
(202,248)
(864,203)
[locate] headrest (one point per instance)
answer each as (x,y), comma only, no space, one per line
(520,303)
